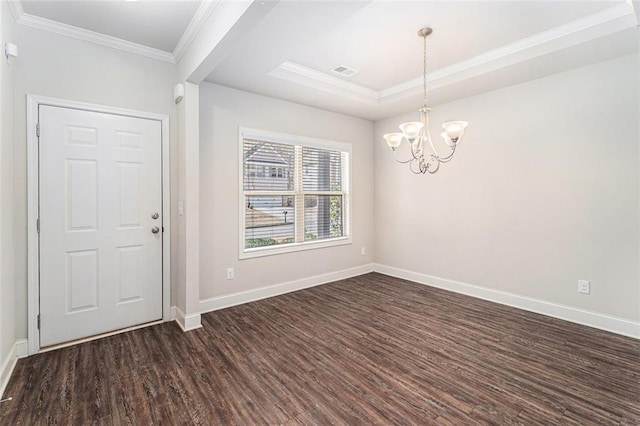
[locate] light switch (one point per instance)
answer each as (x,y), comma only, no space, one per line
(583,286)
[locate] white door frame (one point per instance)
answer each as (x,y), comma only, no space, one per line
(33,196)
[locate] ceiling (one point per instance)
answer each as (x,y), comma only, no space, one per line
(159,29)
(476,46)
(156,24)
(381,38)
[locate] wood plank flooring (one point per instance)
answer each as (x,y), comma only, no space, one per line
(367,350)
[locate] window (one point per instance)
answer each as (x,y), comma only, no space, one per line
(301,201)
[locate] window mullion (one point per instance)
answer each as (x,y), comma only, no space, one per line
(299,203)
(346,198)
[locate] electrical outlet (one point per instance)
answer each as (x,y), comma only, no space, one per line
(583,287)
(229,273)
(181,208)
(363,251)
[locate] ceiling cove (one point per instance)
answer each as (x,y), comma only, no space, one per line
(600,24)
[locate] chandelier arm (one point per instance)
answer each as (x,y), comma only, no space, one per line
(395,155)
(433,148)
(441,159)
(415,153)
(448,157)
(425,118)
(417,172)
(449,142)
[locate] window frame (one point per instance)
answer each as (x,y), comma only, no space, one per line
(298,193)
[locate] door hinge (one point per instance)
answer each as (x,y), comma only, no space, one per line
(38,321)
(38,129)
(38,225)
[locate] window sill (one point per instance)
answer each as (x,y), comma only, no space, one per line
(291,248)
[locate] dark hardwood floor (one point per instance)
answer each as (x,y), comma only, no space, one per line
(367,350)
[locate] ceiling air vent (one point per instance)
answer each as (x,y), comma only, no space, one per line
(344,71)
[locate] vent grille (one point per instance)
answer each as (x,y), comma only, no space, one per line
(344,71)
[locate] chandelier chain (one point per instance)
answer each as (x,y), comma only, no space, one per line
(424,71)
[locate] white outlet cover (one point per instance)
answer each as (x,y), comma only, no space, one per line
(583,286)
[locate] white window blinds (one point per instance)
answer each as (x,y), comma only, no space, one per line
(293,194)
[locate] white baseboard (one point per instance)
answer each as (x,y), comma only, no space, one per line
(186,322)
(22,348)
(621,326)
(226,301)
(18,350)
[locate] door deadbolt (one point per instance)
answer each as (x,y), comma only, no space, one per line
(155,216)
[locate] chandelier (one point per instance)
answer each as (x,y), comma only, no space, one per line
(416,133)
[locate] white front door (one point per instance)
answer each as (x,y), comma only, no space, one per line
(100,223)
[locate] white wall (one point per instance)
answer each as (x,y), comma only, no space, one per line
(222,111)
(543,191)
(7,178)
(62,67)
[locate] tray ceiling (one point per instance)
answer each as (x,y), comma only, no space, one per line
(290,52)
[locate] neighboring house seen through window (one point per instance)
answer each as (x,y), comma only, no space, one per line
(295,193)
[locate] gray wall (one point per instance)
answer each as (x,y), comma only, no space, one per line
(63,67)
(543,191)
(7,179)
(222,111)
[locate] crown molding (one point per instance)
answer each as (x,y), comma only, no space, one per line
(635,5)
(205,10)
(16,9)
(86,35)
(93,37)
(597,25)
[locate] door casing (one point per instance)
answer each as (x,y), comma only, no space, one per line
(33,196)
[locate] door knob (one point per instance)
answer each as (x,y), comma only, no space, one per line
(155,229)
(155,216)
